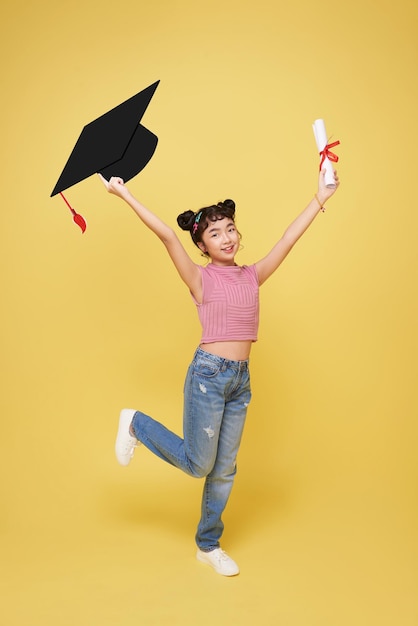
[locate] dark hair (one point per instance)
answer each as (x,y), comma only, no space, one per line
(198,222)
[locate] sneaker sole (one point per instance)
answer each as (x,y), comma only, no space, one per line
(125,419)
(203,559)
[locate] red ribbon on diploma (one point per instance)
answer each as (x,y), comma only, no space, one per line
(327,154)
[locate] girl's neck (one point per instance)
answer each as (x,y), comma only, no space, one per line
(221,264)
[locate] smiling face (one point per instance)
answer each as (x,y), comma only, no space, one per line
(220,241)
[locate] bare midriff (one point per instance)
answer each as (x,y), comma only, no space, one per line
(232,350)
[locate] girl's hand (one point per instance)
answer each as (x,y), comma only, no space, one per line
(324,192)
(116,186)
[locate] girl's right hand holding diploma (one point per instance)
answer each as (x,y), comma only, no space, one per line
(324,192)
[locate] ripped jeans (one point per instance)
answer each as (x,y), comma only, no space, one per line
(216,396)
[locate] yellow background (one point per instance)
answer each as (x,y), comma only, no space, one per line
(323,516)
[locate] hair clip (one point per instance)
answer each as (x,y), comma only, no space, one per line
(196,222)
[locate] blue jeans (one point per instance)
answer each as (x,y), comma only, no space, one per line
(216,396)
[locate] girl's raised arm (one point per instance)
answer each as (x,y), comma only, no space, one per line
(188,270)
(267,265)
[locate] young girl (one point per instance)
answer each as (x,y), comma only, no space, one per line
(217,388)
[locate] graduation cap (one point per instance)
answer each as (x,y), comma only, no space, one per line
(115,144)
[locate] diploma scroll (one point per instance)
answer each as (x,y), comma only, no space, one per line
(323,149)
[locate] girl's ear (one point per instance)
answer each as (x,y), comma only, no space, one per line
(202,246)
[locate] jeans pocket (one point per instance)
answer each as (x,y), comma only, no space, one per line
(206,368)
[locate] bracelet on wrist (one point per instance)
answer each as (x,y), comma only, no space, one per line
(321,206)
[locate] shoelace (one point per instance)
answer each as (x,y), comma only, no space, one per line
(130,446)
(222,556)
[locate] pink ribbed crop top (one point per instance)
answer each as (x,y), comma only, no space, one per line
(230,303)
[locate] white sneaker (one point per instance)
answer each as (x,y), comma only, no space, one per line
(219,560)
(125,444)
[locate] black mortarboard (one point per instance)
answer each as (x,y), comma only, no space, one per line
(115,144)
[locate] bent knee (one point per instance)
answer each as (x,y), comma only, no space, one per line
(200,472)
(217,473)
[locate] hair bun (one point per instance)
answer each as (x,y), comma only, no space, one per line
(185,220)
(229,204)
